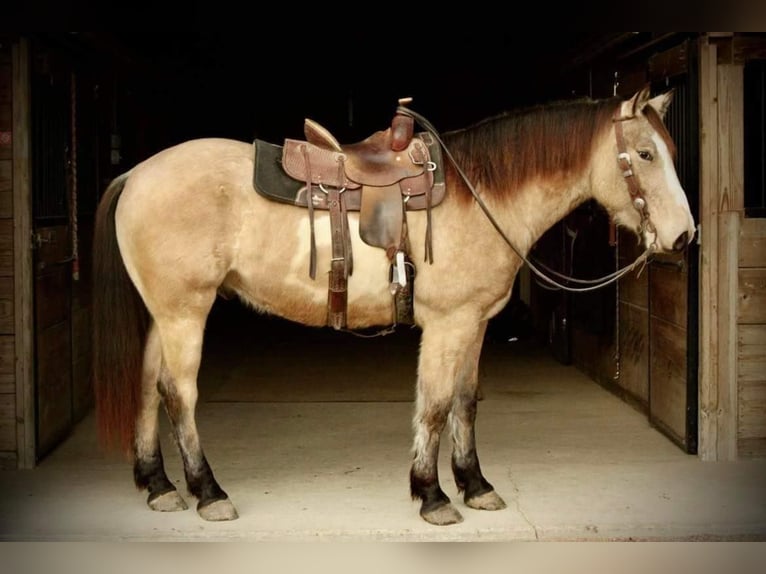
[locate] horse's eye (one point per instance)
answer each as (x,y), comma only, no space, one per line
(645,155)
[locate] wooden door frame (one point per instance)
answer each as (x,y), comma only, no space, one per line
(721,204)
(22,240)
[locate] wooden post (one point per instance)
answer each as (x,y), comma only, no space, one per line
(708,300)
(22,215)
(731,204)
(721,205)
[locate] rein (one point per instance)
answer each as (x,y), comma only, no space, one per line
(634,188)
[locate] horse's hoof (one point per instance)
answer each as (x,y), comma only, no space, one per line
(487,501)
(218,510)
(169,501)
(442,515)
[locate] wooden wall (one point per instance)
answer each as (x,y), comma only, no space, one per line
(751,339)
(732,411)
(7,342)
(633,326)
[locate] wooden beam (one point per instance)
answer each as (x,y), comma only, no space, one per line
(727,380)
(708,273)
(731,173)
(22,214)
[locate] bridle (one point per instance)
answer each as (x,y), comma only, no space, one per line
(634,188)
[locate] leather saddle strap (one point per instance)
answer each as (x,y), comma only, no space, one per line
(429,255)
(339,263)
(310,203)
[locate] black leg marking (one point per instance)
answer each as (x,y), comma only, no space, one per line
(469,479)
(428,491)
(199,476)
(202,484)
(149,474)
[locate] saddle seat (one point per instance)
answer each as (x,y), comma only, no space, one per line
(382,159)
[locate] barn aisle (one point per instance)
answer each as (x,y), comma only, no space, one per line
(309,433)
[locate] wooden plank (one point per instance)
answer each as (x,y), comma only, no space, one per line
(752,410)
(670,63)
(7,384)
(667,400)
(7,355)
(752,242)
(668,292)
(731,82)
(22,264)
(728,237)
(52,296)
(752,296)
(746,48)
(594,355)
(752,341)
(751,353)
(633,288)
(6,247)
(6,306)
(752,448)
(8,461)
(6,123)
(6,188)
(708,273)
(751,345)
(54,385)
(7,422)
(634,352)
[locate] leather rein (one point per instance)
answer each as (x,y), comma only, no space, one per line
(634,188)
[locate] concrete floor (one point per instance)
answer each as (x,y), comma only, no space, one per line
(314,462)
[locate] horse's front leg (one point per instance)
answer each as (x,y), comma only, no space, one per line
(182,348)
(441,361)
(477,491)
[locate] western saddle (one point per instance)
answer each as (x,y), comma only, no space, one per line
(383,176)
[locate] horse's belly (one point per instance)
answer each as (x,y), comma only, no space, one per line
(272,266)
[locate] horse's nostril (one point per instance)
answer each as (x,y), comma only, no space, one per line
(681,242)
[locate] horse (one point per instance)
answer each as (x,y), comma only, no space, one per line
(185,226)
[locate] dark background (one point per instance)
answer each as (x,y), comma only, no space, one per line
(238,85)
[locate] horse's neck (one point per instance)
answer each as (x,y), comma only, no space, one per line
(534,208)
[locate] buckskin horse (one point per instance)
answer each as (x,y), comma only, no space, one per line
(340,241)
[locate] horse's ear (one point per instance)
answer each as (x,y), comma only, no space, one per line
(640,99)
(661,102)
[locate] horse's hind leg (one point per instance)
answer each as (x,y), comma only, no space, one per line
(477,492)
(182,349)
(148,468)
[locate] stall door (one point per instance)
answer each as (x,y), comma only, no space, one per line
(51,240)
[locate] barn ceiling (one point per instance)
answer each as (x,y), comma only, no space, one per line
(232,85)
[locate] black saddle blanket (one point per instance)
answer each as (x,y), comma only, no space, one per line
(271,181)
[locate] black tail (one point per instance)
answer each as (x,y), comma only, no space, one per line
(120,325)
